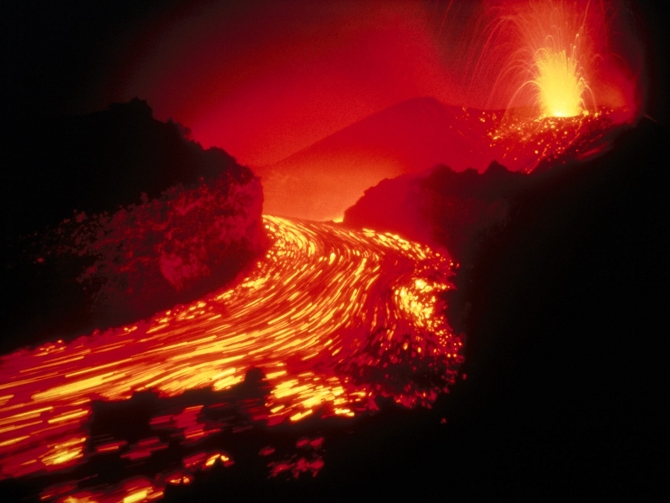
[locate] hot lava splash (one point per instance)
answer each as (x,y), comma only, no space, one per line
(331,320)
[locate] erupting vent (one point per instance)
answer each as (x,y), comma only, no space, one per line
(560,86)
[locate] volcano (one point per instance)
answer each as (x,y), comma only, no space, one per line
(410,136)
(322,180)
(345,363)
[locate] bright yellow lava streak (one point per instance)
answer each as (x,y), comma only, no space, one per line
(333,318)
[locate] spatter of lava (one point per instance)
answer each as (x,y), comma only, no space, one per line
(528,143)
(330,320)
(524,141)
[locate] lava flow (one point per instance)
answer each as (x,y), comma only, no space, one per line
(333,318)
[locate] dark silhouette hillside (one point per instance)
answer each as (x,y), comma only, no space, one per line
(115,215)
(562,304)
(440,206)
(98,162)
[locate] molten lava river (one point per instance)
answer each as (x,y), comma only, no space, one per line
(328,321)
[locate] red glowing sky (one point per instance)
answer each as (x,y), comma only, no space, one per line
(265,80)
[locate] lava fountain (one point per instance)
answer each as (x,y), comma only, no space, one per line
(557,58)
(560,86)
(555,54)
(556,72)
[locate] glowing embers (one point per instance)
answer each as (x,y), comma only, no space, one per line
(521,140)
(309,459)
(132,490)
(328,322)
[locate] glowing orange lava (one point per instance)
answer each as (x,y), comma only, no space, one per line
(334,318)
